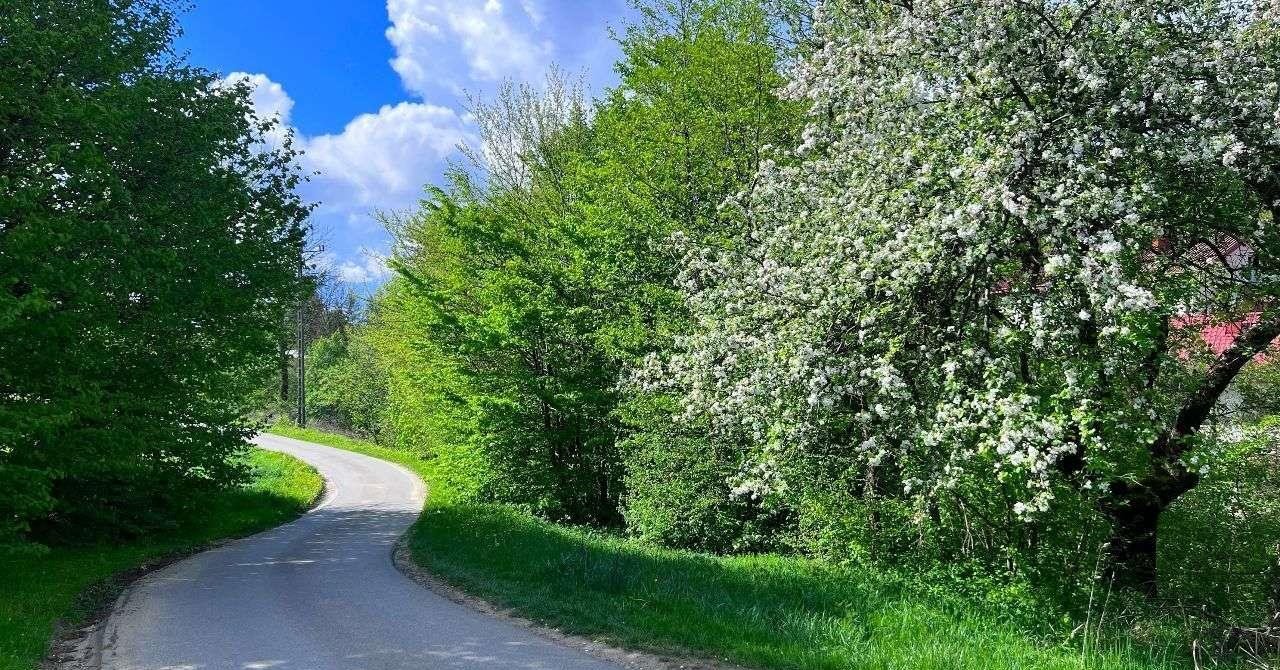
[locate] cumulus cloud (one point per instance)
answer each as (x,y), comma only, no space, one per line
(378,160)
(383,159)
(435,40)
(370,267)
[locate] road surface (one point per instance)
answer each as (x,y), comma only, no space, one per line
(320,593)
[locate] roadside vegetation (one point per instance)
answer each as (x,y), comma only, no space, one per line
(45,591)
(765,610)
(150,240)
(944,311)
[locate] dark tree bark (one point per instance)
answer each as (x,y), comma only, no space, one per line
(284,370)
(1135,508)
(1135,511)
(1273,621)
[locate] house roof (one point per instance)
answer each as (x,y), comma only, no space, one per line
(1220,336)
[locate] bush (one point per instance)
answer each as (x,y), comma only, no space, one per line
(679,489)
(1220,547)
(347,385)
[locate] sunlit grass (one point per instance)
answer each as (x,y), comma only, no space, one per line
(766,611)
(68,583)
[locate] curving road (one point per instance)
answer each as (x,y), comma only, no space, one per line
(320,593)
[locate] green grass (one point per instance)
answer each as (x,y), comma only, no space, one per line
(765,611)
(69,583)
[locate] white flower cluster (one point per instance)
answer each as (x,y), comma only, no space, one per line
(972,260)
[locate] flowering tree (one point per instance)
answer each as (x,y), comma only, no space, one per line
(978,264)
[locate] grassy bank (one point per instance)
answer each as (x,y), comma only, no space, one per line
(69,583)
(764,611)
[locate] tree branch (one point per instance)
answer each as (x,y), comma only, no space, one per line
(1191,417)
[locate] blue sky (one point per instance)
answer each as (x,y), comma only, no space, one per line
(375,89)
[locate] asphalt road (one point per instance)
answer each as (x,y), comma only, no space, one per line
(320,593)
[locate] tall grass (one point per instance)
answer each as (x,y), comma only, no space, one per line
(765,611)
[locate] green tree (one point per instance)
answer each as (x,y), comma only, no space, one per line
(986,275)
(541,282)
(347,384)
(149,241)
(426,410)
(683,131)
(506,295)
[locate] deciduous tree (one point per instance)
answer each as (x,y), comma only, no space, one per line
(149,240)
(991,259)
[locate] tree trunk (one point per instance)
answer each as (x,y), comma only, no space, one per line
(1135,511)
(1135,521)
(1135,508)
(284,371)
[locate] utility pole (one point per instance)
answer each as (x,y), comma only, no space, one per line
(302,338)
(302,348)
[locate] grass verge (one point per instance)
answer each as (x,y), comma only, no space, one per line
(764,611)
(68,584)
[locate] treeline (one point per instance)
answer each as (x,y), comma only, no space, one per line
(528,287)
(149,253)
(797,284)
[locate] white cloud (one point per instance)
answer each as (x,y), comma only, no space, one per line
(494,42)
(269,97)
(371,266)
(384,159)
(533,9)
(379,160)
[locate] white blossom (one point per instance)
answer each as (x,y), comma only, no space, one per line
(969,320)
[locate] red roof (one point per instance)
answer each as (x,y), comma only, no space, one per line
(1220,336)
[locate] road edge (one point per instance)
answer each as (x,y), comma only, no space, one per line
(79,646)
(402,557)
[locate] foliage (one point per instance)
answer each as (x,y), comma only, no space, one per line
(682,131)
(533,288)
(320,315)
(679,493)
(149,237)
(976,285)
(1223,562)
(1258,387)
(760,611)
(69,583)
(512,317)
(347,386)
(423,411)
(947,326)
